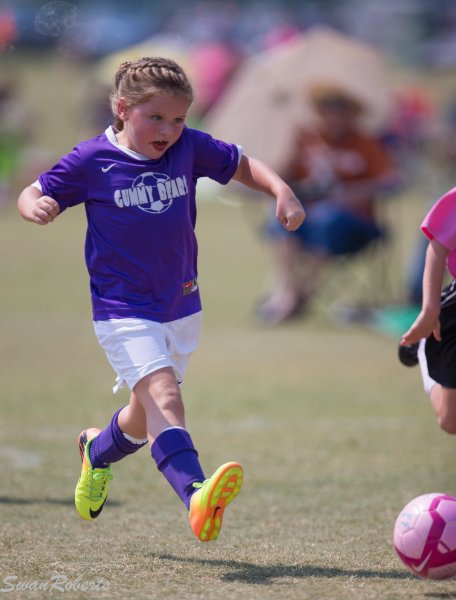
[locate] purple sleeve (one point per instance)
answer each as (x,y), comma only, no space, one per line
(440,222)
(214,158)
(66,182)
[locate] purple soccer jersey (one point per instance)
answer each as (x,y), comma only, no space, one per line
(141,249)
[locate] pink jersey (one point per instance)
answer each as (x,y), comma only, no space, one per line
(440,224)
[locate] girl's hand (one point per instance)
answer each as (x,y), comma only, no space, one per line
(289,211)
(427,321)
(43,210)
(256,175)
(424,325)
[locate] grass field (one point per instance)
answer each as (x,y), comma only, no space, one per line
(335,437)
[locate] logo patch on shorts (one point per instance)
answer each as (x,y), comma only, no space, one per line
(189,286)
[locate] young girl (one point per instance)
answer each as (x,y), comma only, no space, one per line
(138,182)
(433,334)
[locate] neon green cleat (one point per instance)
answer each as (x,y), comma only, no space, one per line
(92,488)
(210,499)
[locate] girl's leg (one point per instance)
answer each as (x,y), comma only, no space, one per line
(155,405)
(176,457)
(155,408)
(444,404)
(171,445)
(158,399)
(125,435)
(287,290)
(132,419)
(443,399)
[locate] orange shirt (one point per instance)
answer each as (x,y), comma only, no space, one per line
(355,158)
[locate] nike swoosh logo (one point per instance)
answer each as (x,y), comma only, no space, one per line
(95,513)
(106,169)
(422,565)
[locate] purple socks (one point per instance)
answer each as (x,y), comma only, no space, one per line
(177,459)
(111,445)
(173,451)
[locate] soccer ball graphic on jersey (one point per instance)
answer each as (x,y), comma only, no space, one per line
(155,182)
(425,536)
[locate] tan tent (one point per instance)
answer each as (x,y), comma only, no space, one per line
(267,97)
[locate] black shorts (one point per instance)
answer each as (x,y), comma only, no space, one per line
(441,356)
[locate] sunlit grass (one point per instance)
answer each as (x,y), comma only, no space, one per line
(335,437)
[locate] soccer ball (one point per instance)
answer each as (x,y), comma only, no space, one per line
(158,204)
(425,536)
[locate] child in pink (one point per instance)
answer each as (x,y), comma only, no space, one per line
(434,330)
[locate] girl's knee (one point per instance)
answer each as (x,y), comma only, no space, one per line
(448,423)
(161,390)
(447,413)
(170,400)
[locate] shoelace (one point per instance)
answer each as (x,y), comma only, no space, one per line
(96,481)
(199,484)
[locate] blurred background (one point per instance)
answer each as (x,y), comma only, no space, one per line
(250,62)
(334,433)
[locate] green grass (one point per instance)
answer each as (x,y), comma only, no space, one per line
(335,437)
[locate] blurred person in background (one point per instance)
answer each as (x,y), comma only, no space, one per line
(14,131)
(338,172)
(214,63)
(449,143)
(413,139)
(8,30)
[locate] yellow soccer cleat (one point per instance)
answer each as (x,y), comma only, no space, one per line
(92,488)
(210,499)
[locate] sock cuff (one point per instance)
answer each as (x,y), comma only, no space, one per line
(124,444)
(170,442)
(133,440)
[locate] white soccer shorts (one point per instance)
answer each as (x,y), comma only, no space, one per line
(137,347)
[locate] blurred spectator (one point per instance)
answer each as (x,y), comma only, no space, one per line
(410,128)
(8,30)
(445,155)
(338,172)
(13,133)
(279,35)
(213,64)
(449,138)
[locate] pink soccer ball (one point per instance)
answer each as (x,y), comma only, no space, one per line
(425,536)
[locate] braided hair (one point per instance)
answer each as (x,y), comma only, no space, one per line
(137,81)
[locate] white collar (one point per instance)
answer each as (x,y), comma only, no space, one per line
(111,135)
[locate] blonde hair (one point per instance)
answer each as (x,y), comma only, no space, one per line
(137,81)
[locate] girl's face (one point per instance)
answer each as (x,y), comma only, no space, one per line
(337,118)
(150,128)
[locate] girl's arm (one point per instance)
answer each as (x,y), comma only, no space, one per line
(35,207)
(427,321)
(256,175)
